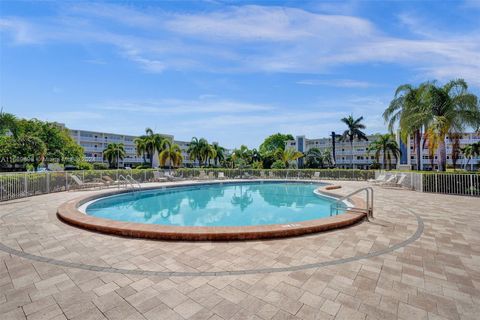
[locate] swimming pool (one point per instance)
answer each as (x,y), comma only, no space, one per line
(214,205)
(214,211)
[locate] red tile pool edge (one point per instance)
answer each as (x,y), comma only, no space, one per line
(69,213)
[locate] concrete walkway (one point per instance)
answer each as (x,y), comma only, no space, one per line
(419,259)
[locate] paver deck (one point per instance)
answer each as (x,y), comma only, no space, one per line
(51,270)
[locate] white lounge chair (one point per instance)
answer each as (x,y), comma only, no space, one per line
(202,175)
(262,175)
(221,176)
(380,178)
(398,183)
(171,177)
(316,175)
(271,175)
(388,180)
(159,176)
(85,185)
(211,175)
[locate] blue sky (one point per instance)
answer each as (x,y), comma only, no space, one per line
(232,72)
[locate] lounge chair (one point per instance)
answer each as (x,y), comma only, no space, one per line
(271,175)
(380,178)
(202,175)
(159,176)
(262,175)
(316,175)
(211,175)
(108,181)
(170,177)
(221,176)
(85,185)
(398,183)
(388,180)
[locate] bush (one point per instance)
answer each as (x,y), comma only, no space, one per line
(375,166)
(100,166)
(83,165)
(278,165)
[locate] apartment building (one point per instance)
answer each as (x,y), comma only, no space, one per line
(95,142)
(430,162)
(343,151)
(345,156)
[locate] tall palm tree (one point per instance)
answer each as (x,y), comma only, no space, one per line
(354,131)
(208,153)
(219,153)
(199,149)
(407,110)
(141,147)
(450,109)
(288,155)
(386,146)
(114,152)
(316,158)
(172,153)
(153,143)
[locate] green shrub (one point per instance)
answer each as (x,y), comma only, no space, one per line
(278,165)
(83,165)
(100,166)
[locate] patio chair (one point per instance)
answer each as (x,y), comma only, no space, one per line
(380,178)
(271,175)
(398,183)
(159,176)
(211,175)
(202,175)
(86,185)
(262,175)
(108,181)
(389,180)
(170,177)
(221,176)
(316,175)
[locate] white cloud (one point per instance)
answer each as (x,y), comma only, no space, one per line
(343,83)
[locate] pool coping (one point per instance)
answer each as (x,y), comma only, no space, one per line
(69,213)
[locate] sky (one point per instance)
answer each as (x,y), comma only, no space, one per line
(233,72)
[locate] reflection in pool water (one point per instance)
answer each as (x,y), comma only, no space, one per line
(239,204)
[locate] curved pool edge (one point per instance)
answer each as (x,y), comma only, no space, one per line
(69,213)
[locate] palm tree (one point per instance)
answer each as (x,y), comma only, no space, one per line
(208,153)
(470,151)
(354,131)
(316,158)
(450,109)
(141,147)
(219,153)
(242,153)
(8,122)
(172,153)
(34,147)
(385,145)
(153,143)
(407,110)
(288,155)
(200,149)
(114,152)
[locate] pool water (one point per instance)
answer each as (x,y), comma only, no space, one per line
(227,204)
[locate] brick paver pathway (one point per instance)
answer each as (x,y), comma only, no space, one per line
(50,270)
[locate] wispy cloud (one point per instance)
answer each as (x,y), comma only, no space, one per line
(280,39)
(343,83)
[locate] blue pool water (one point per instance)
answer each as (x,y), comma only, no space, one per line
(238,204)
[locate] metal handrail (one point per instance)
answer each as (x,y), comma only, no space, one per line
(369,202)
(129,181)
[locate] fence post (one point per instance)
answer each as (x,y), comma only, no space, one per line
(48,181)
(66,181)
(25,184)
(471,185)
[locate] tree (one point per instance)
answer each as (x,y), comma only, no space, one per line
(219,153)
(407,111)
(287,156)
(242,154)
(172,153)
(8,122)
(274,142)
(316,158)
(114,152)
(451,108)
(200,150)
(455,154)
(33,148)
(153,143)
(354,131)
(141,147)
(386,146)
(470,151)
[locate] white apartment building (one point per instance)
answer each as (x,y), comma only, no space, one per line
(343,151)
(362,160)
(95,142)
